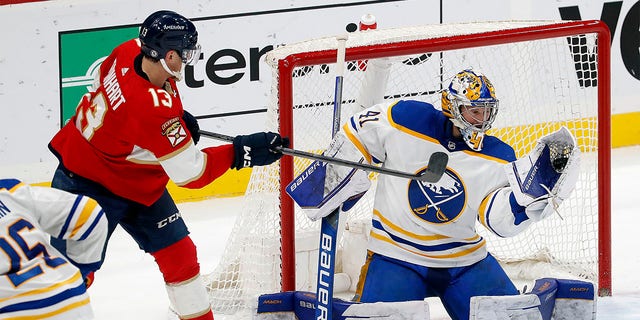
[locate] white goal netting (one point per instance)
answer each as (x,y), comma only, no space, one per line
(543,82)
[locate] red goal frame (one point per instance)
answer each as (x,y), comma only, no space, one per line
(285,87)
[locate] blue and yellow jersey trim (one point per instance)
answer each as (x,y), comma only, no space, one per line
(419,119)
(82,211)
(347,131)
(73,279)
(75,288)
(424,121)
(486,207)
(10,184)
(428,246)
(53,313)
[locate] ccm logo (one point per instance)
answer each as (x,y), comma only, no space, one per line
(247,156)
(168,220)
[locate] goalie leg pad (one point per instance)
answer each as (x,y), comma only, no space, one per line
(575,300)
(550,298)
(185,287)
(523,307)
(536,305)
(409,310)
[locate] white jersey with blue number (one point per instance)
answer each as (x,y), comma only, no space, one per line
(430,224)
(36,281)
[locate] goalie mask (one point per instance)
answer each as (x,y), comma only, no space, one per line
(470,102)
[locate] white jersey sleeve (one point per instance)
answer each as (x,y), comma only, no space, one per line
(64,215)
(36,280)
(369,138)
(501,214)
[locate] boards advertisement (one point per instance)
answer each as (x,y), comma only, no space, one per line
(61,44)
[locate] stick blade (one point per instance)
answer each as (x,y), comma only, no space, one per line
(435,168)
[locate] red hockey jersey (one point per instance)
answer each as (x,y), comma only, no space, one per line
(129,136)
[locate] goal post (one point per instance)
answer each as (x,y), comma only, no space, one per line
(547,74)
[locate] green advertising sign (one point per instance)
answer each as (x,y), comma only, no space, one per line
(81,53)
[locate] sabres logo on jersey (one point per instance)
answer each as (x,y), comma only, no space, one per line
(440,202)
(174,131)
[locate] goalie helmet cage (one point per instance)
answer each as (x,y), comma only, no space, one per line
(547,74)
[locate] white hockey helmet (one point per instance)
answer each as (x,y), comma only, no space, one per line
(471,91)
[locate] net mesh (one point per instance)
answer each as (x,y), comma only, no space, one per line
(541,84)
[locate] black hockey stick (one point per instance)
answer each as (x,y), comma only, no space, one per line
(435,168)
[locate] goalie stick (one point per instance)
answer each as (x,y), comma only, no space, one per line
(434,171)
(329,225)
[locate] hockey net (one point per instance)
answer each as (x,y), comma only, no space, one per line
(546,74)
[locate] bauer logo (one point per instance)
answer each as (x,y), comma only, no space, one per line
(81,54)
(325,279)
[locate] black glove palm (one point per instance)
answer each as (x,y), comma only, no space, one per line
(192,125)
(258,149)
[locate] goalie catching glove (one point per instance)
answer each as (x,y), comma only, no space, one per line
(322,187)
(541,180)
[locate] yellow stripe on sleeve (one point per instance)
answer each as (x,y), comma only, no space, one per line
(85,214)
(21,184)
(482,210)
(347,131)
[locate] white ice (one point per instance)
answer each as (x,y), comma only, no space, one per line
(130,286)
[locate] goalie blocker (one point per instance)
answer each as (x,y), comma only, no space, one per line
(322,187)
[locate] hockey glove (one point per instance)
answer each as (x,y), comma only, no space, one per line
(192,125)
(258,149)
(87,271)
(545,177)
(88,279)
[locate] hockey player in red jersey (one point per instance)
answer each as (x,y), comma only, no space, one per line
(131,135)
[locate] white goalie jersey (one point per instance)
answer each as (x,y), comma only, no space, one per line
(433,224)
(36,281)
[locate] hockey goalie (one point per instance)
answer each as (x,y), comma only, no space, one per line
(423,241)
(537,185)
